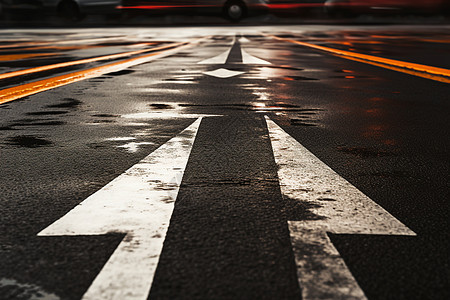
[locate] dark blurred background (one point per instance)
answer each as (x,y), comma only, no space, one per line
(57,13)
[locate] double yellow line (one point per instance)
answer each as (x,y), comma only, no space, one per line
(20,91)
(429,72)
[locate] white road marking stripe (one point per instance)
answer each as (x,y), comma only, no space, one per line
(220,59)
(243,40)
(250,59)
(139,203)
(336,206)
(216,60)
(223,73)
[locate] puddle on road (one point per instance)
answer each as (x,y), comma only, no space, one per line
(28,141)
(161,106)
(183,80)
(12,289)
(102,121)
(66,103)
(165,115)
(106,116)
(302,122)
(122,72)
(285,67)
(7,127)
(47,113)
(35,122)
(365,152)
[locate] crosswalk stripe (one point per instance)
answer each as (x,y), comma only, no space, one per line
(334,206)
(138,203)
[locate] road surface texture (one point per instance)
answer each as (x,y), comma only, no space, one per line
(281,162)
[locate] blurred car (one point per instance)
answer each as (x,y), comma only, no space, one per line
(69,9)
(294,8)
(233,10)
(357,7)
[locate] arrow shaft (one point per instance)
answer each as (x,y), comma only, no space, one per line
(128,274)
(331,204)
(139,203)
(334,204)
(321,271)
(235,55)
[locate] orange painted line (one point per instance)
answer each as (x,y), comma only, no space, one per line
(407,71)
(23,44)
(31,88)
(434,73)
(26,43)
(61,48)
(25,56)
(353,42)
(82,61)
(446,41)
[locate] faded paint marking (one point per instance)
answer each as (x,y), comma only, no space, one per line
(336,207)
(139,203)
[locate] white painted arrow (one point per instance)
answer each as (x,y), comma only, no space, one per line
(223,73)
(250,59)
(217,60)
(223,57)
(337,207)
(138,203)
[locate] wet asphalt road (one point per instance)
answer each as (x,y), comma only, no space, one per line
(384,131)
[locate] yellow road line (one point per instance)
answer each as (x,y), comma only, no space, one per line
(83,61)
(31,88)
(429,72)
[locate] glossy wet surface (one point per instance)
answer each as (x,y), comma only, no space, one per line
(383,131)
